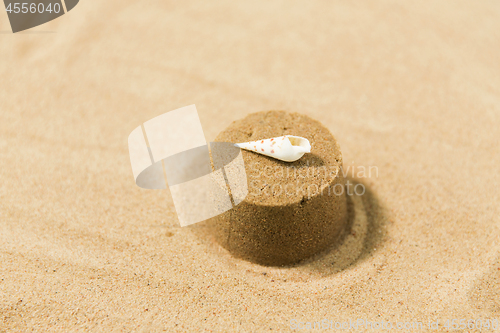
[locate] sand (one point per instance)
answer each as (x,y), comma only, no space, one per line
(412,89)
(293,210)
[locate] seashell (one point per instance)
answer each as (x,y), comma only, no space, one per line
(286,148)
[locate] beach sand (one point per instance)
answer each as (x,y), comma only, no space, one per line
(411,93)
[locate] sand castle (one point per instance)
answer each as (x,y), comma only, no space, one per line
(293,210)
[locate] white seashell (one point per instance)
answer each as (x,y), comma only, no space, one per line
(286,148)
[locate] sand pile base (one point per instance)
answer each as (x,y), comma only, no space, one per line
(293,210)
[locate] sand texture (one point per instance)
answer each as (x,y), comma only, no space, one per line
(411,89)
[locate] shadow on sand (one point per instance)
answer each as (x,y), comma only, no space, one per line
(365,232)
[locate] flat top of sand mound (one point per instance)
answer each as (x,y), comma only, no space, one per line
(274,182)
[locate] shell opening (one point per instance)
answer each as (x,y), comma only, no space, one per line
(300,142)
